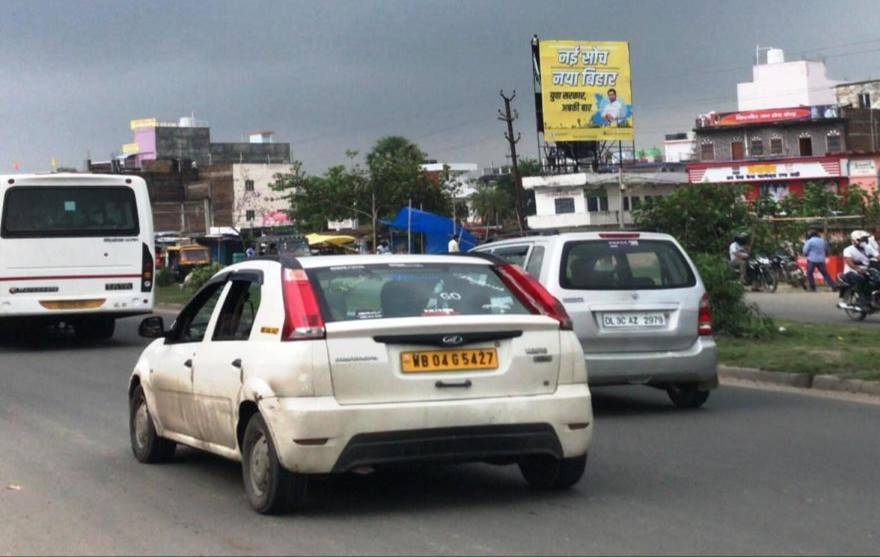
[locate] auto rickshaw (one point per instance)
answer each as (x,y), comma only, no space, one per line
(183,259)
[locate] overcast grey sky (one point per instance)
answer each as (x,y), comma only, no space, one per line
(328,76)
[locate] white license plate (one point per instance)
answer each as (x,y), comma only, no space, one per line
(633,320)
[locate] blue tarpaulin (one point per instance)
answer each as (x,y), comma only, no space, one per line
(437,230)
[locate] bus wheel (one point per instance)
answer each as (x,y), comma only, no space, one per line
(95,329)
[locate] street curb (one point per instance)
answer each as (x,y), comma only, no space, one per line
(801,380)
(168,307)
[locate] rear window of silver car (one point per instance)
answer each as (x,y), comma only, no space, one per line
(624,264)
(357,292)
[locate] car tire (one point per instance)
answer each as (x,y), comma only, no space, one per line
(687,395)
(270,488)
(146,444)
(95,329)
(547,472)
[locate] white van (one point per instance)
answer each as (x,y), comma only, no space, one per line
(75,249)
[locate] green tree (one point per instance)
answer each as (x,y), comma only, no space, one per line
(703,217)
(493,204)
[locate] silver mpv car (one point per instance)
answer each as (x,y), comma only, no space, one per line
(637,302)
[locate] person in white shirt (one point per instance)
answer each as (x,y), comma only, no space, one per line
(873,250)
(739,255)
(453,245)
(612,111)
(856,263)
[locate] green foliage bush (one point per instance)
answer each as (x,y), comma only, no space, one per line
(731,315)
(164,277)
(200,275)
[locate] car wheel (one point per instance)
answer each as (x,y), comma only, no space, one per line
(547,472)
(687,395)
(95,329)
(270,488)
(146,444)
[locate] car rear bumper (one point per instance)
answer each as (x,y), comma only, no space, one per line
(117,304)
(698,363)
(317,435)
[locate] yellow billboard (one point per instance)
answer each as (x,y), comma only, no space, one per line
(143,123)
(131,149)
(585,91)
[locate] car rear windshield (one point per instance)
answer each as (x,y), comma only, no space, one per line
(69,211)
(356,292)
(624,264)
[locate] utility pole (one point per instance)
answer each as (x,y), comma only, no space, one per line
(509,117)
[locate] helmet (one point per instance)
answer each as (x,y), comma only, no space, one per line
(741,237)
(858,235)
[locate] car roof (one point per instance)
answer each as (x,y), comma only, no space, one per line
(565,236)
(313,262)
(68,178)
(321,261)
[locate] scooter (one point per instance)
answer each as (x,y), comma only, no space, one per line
(849,296)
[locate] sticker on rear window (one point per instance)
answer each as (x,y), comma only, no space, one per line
(70,206)
(618,243)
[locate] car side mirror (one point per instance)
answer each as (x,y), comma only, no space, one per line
(152,327)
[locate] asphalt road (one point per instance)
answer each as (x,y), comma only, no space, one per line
(753,472)
(809,307)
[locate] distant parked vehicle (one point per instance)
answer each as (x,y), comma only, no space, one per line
(637,302)
(760,274)
(182,259)
(786,269)
(75,249)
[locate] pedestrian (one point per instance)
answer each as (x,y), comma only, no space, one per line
(816,252)
(453,245)
(249,252)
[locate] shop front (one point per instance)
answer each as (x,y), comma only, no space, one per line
(776,179)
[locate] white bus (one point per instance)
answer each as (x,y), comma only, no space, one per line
(75,250)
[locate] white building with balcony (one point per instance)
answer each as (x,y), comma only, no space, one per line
(586,200)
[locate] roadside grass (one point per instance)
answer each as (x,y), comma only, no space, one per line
(172,294)
(848,350)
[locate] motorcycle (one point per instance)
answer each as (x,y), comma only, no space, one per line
(786,269)
(760,275)
(849,296)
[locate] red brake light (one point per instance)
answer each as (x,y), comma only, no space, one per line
(302,315)
(704,322)
(533,295)
(619,235)
(146,269)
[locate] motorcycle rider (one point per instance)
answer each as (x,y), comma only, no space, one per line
(856,264)
(815,251)
(739,255)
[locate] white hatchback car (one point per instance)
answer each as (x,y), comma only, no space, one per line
(331,364)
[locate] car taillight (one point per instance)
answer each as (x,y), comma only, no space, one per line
(302,315)
(533,295)
(704,322)
(146,269)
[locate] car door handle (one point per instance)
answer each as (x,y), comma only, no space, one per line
(188,363)
(453,384)
(236,362)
